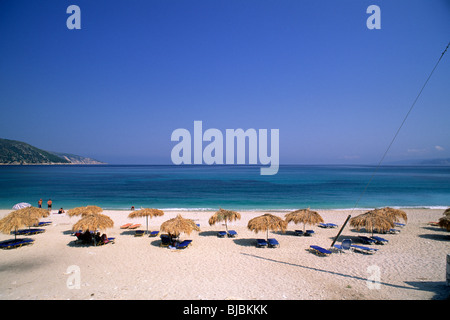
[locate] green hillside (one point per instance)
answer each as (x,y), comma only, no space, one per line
(17,152)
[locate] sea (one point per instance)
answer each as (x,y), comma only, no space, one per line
(202,187)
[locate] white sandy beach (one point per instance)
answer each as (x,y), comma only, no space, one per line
(411,266)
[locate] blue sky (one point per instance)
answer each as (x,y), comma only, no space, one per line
(137,70)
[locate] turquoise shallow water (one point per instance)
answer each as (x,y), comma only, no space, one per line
(231,187)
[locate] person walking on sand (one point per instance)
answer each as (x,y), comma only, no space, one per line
(49,204)
(40,203)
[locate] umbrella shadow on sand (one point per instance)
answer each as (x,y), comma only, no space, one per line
(208,233)
(245,242)
(437,237)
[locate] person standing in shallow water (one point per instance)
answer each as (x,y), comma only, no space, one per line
(40,203)
(49,204)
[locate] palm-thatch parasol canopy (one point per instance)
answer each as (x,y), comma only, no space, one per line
(305,216)
(177,225)
(33,212)
(224,215)
(18,219)
(393,214)
(93,222)
(447,212)
(267,222)
(371,221)
(146,212)
(84,211)
(444,222)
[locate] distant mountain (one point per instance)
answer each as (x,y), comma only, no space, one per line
(18,152)
(423,162)
(436,162)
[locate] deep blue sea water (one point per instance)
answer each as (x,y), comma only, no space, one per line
(230,187)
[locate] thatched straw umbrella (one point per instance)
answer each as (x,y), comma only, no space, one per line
(371,221)
(177,225)
(267,222)
(304,216)
(93,222)
(16,220)
(84,211)
(393,214)
(447,212)
(146,212)
(444,222)
(33,212)
(224,215)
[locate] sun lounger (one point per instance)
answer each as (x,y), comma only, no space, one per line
(221,234)
(125,226)
(184,244)
(44,223)
(319,250)
(345,245)
(28,232)
(165,240)
(309,233)
(108,240)
(379,240)
(261,243)
(231,233)
(153,233)
(298,232)
(139,233)
(363,249)
(273,243)
(398,224)
(134,226)
(366,240)
(15,243)
(328,225)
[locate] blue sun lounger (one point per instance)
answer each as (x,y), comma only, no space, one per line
(273,243)
(165,240)
(261,243)
(363,249)
(309,233)
(366,240)
(184,244)
(44,223)
(328,225)
(15,243)
(139,233)
(379,240)
(345,245)
(298,232)
(153,233)
(221,234)
(27,232)
(319,250)
(231,233)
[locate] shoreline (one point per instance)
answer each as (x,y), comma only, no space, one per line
(207,209)
(412,265)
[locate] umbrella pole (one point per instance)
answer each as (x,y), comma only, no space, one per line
(226,226)
(146,223)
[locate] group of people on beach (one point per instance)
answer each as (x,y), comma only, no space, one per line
(49,205)
(92,238)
